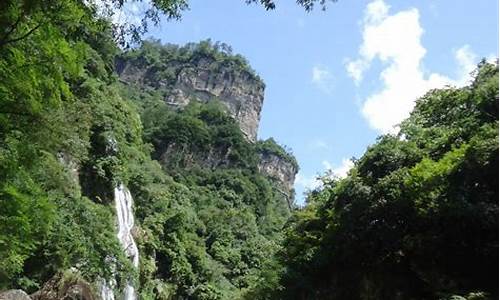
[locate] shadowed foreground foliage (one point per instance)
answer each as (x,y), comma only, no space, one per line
(417,216)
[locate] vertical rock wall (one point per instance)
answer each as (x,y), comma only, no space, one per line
(204,80)
(282,171)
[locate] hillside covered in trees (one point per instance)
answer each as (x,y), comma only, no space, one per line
(206,218)
(83,121)
(417,216)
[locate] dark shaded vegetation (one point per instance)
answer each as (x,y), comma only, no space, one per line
(416,218)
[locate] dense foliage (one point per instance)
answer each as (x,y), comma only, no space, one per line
(222,220)
(52,72)
(69,135)
(416,218)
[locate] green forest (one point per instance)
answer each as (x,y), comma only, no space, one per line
(416,217)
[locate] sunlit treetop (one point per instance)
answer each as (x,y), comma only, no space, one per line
(169,9)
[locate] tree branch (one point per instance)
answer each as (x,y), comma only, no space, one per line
(11,29)
(3,43)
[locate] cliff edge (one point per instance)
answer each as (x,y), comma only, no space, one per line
(201,72)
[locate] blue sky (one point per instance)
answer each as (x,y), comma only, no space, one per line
(337,79)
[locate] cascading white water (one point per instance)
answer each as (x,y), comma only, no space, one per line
(107,290)
(123,203)
(123,206)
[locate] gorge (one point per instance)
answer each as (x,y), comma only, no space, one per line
(211,200)
(138,173)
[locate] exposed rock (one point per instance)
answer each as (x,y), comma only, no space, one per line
(203,79)
(67,286)
(203,73)
(14,295)
(71,165)
(282,171)
(213,158)
(240,92)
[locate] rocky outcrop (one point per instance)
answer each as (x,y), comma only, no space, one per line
(203,79)
(281,171)
(14,295)
(66,286)
(213,158)
(63,286)
(239,92)
(206,72)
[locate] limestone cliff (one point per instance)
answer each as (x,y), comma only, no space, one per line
(206,72)
(203,75)
(280,165)
(242,94)
(282,171)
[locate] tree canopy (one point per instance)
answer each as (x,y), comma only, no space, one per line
(70,132)
(417,216)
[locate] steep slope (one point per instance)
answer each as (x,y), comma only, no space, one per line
(154,75)
(227,212)
(201,72)
(280,166)
(206,219)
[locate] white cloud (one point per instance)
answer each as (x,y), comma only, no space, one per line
(311,183)
(314,182)
(307,182)
(376,11)
(339,171)
(467,61)
(326,164)
(492,58)
(322,78)
(356,68)
(396,41)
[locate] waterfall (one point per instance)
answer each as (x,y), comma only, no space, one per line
(123,206)
(107,290)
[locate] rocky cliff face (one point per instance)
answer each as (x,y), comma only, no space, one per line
(203,79)
(206,72)
(282,171)
(241,94)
